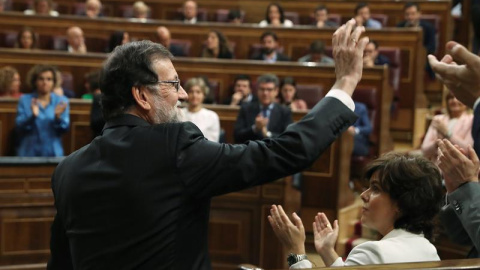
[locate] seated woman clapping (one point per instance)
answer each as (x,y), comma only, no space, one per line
(403,199)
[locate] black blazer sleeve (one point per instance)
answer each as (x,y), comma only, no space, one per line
(210,169)
(429,41)
(60,257)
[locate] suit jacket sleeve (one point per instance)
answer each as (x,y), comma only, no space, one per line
(429,38)
(209,169)
(453,226)
(60,258)
(363,123)
(243,127)
(285,120)
(465,201)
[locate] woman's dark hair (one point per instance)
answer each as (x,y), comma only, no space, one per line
(20,34)
(415,185)
(280,10)
(115,40)
(223,48)
(129,65)
(291,81)
(34,72)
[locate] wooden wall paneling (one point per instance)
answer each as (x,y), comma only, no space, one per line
(26,212)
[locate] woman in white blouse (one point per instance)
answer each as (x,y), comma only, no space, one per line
(274,16)
(404,196)
(206,120)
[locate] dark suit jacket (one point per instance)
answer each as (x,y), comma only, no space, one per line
(381,60)
(476,130)
(280,118)
(461,217)
(229,100)
(138,197)
(280,57)
(176,50)
(361,146)
(429,33)
(96,116)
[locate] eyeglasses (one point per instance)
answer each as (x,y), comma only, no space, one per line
(175,84)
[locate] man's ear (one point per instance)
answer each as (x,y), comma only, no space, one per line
(142,98)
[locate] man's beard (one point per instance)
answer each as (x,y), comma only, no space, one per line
(164,113)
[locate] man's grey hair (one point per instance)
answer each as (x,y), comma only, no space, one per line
(268,78)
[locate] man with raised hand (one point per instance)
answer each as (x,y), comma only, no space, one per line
(138,196)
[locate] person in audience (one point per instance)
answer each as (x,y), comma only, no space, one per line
(153,178)
(93,8)
(216,46)
(461,215)
(118,38)
(455,126)
(269,51)
(274,16)
(235,16)
(42,116)
(371,56)
(404,197)
(141,10)
(289,96)
(263,119)
(59,90)
(242,91)
(361,131)
(190,12)
(2,5)
(91,85)
(412,19)
(76,40)
(10,82)
(321,17)
(317,54)
(26,39)
(42,7)
(206,120)
(363,17)
(163,37)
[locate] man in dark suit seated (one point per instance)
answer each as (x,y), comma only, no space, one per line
(269,49)
(361,131)
(412,19)
(242,91)
(138,196)
(371,57)
(265,118)
(190,12)
(321,17)
(163,37)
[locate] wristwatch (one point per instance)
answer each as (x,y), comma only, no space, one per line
(294,258)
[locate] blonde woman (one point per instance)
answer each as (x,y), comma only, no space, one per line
(206,120)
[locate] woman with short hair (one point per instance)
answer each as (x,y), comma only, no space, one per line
(42,116)
(404,197)
(10,82)
(206,120)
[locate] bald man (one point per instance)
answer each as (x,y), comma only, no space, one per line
(76,41)
(163,37)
